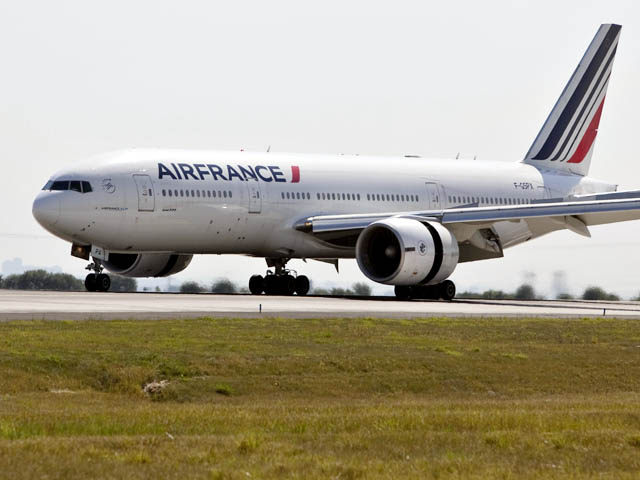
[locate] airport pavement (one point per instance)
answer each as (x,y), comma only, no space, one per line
(20,305)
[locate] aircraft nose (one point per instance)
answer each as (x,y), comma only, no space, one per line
(46,209)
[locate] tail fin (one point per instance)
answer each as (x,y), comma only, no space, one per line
(566,139)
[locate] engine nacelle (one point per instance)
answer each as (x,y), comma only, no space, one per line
(403,251)
(147,264)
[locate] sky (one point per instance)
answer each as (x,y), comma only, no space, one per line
(382,78)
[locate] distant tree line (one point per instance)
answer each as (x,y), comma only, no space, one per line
(357,289)
(43,280)
(224,285)
(527,292)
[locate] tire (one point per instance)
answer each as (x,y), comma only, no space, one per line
(103,282)
(403,292)
(270,285)
(302,285)
(447,290)
(256,284)
(90,282)
(288,285)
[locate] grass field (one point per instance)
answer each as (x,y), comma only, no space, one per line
(335,398)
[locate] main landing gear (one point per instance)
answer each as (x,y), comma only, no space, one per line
(280,281)
(445,291)
(97,281)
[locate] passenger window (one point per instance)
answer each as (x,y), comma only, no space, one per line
(209,193)
(358,196)
(187,192)
(197,191)
(164,192)
(170,193)
(230,194)
(298,195)
(175,192)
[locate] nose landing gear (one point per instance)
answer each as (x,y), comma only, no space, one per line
(280,281)
(445,291)
(98,281)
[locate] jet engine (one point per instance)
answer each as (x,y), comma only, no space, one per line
(403,251)
(146,264)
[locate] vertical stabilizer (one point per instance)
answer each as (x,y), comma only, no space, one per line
(566,139)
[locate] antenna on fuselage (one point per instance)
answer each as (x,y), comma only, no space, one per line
(458,156)
(268,148)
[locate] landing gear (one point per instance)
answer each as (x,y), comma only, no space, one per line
(445,290)
(98,281)
(279,281)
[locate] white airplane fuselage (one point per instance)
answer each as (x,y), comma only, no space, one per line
(260,200)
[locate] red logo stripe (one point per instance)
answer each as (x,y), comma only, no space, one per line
(295,174)
(589,137)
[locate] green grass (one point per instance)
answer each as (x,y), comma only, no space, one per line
(334,398)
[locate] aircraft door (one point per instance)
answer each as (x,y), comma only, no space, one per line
(433,196)
(255,197)
(146,199)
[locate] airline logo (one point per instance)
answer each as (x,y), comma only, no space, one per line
(572,126)
(227,173)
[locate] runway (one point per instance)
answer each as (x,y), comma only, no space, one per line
(27,305)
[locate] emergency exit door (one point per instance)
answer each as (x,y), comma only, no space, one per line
(255,198)
(146,199)
(433,196)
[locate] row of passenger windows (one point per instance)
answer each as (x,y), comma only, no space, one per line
(197,193)
(380,197)
(80,186)
(463,199)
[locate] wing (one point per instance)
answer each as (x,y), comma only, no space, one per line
(482,232)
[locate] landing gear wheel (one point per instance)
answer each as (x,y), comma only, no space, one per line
(447,290)
(256,284)
(90,282)
(103,282)
(270,284)
(302,285)
(288,285)
(403,292)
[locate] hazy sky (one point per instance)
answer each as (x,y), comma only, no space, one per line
(382,78)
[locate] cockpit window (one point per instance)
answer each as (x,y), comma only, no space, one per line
(81,186)
(60,185)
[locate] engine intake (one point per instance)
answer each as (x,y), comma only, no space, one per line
(147,264)
(403,251)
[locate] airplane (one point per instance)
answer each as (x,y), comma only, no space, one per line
(407,221)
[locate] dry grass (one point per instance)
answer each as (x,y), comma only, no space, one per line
(335,398)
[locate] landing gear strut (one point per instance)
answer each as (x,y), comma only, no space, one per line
(445,290)
(280,281)
(97,281)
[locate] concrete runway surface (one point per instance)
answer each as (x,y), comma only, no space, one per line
(25,305)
